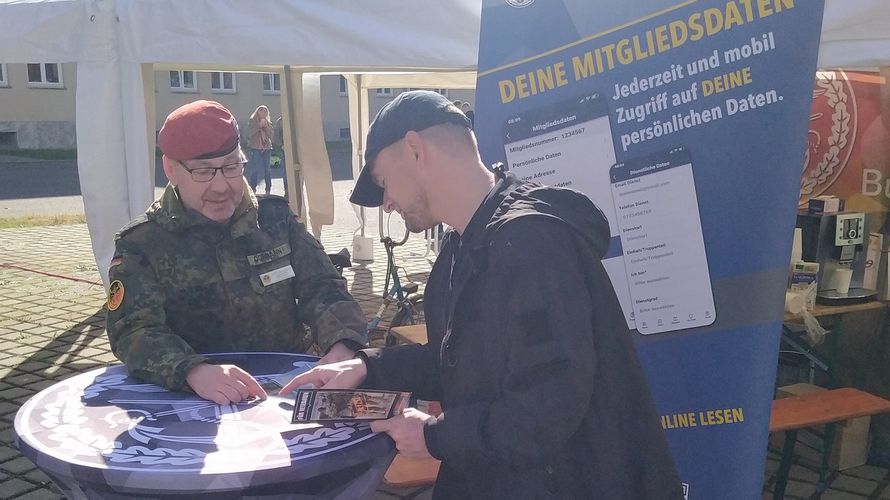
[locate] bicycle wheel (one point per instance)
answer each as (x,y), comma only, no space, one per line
(410,314)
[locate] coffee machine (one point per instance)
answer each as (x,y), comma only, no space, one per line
(838,242)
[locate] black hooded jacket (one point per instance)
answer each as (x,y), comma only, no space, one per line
(529,352)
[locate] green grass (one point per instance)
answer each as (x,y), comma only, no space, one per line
(42,154)
(42,220)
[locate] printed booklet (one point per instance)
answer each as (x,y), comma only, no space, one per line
(347,405)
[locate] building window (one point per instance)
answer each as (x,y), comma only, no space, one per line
(344,133)
(344,87)
(222,82)
(444,92)
(4,80)
(271,83)
(45,75)
(183,81)
(384,92)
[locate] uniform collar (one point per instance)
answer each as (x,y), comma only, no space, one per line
(172,215)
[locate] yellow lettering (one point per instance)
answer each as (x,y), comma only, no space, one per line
(522,86)
(713,20)
(679,33)
(582,68)
(749,12)
(545,78)
(783,4)
(560,70)
(638,52)
(763,8)
(738,415)
(624,53)
(698,32)
(508,91)
(726,81)
(609,50)
(661,38)
(733,16)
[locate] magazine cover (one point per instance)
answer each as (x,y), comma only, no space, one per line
(346,405)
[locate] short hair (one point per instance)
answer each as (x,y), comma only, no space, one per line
(452,132)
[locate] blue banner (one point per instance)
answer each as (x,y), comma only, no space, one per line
(686,123)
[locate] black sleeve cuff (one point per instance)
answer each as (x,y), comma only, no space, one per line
(350,344)
(368,356)
(431,436)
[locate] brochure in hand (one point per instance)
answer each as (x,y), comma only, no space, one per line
(347,405)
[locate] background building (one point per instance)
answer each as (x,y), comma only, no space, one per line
(37,104)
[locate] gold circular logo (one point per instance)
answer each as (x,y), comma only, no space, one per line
(115,295)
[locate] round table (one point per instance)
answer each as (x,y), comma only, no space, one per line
(104,434)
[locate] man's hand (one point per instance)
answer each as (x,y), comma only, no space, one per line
(407,431)
(338,352)
(223,384)
(343,375)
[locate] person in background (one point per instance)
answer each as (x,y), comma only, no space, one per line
(259,147)
(209,268)
(465,107)
(528,351)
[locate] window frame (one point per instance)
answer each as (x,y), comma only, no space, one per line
(271,78)
(43,83)
(181,88)
(222,80)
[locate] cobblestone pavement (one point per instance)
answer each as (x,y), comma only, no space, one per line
(52,326)
(52,322)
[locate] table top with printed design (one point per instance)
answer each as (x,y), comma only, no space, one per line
(104,433)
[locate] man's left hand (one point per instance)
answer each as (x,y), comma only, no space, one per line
(338,352)
(407,431)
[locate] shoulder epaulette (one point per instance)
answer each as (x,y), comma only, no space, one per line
(133,224)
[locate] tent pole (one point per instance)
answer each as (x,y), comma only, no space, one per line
(295,176)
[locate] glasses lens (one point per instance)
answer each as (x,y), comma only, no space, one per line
(233,170)
(203,174)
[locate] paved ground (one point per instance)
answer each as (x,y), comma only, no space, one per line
(52,326)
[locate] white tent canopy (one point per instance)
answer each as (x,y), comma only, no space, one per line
(117,44)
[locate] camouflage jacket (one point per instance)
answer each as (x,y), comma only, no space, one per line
(182,285)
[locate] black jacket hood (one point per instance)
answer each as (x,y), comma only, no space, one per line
(511,199)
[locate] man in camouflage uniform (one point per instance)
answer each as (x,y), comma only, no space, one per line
(209,269)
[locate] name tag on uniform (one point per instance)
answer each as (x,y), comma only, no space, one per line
(280,274)
(269,255)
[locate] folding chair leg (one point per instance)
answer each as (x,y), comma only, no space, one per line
(785,464)
(827,445)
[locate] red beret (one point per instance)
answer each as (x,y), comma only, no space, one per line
(199,130)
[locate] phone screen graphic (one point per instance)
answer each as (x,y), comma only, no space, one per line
(664,252)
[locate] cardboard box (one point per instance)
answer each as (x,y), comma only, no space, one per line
(850,447)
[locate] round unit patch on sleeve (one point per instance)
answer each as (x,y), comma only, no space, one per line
(115,295)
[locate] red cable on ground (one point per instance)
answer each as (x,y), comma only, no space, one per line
(20,268)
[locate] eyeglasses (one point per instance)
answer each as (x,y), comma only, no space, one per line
(206,174)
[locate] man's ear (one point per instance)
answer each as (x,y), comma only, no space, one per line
(168,169)
(415,146)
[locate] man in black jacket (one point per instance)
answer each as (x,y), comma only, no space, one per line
(528,351)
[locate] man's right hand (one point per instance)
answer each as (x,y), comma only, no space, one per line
(347,374)
(223,384)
